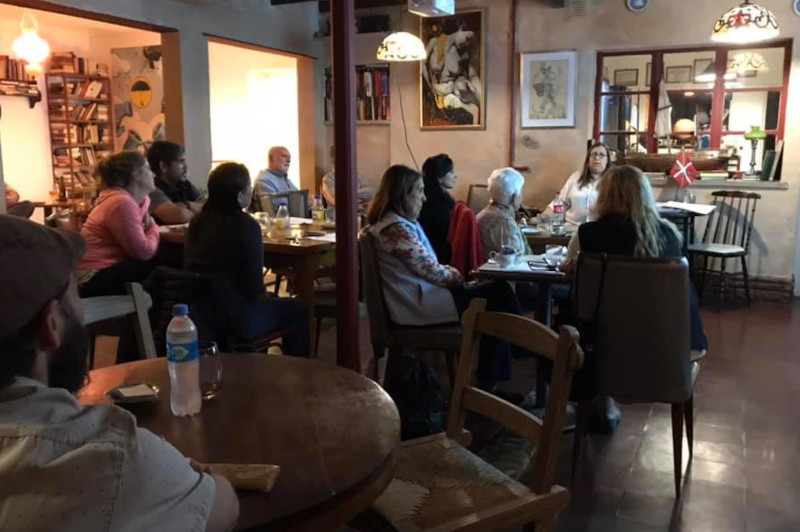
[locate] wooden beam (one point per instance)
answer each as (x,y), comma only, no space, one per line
(344,128)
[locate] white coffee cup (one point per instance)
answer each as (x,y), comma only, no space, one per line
(505,258)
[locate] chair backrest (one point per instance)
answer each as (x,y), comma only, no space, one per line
(135,304)
(379,322)
(732,220)
(638,309)
(478,197)
(297,203)
(169,286)
(562,349)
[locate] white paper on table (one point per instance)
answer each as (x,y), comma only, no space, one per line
(138,390)
(298,221)
(330,237)
(521,265)
(173,228)
(697,208)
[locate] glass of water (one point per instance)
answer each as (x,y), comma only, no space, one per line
(691,197)
(210,369)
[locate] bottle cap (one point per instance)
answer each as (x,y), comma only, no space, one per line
(180,309)
(318,196)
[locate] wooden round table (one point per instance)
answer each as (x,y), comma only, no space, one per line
(335,433)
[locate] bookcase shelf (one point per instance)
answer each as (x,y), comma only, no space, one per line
(81,129)
(24,89)
(373,94)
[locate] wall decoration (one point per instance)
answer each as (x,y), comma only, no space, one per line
(679,74)
(626,77)
(796,7)
(548,86)
(700,67)
(637,6)
(137,93)
(452,82)
(648,74)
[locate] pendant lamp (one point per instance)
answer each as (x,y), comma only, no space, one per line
(401,46)
(745,23)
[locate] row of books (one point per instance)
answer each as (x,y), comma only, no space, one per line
(14,69)
(80,134)
(79,112)
(75,156)
(87,89)
(84,178)
(18,88)
(69,63)
(372,93)
(772,163)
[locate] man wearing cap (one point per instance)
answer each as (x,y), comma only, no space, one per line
(64,466)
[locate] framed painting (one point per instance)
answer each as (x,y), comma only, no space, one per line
(626,77)
(548,86)
(679,74)
(700,67)
(452,80)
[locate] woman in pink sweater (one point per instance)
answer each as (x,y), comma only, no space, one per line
(121,236)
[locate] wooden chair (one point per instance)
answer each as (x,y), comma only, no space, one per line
(395,338)
(440,485)
(477,197)
(325,307)
(135,305)
(639,308)
(296,203)
(732,223)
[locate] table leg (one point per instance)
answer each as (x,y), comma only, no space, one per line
(306,273)
(544,310)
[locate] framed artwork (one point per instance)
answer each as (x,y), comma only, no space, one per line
(679,74)
(637,6)
(648,74)
(700,66)
(548,86)
(137,94)
(452,81)
(626,77)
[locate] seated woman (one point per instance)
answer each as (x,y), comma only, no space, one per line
(439,177)
(418,289)
(579,193)
(121,236)
(226,244)
(628,223)
(496,221)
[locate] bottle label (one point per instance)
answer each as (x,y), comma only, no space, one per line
(318,215)
(280,224)
(558,208)
(182,352)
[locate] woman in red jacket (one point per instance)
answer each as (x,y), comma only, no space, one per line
(121,236)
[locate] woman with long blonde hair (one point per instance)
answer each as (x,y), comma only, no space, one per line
(628,223)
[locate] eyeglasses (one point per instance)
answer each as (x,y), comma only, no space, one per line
(598,156)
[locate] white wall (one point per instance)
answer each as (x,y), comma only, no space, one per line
(253,104)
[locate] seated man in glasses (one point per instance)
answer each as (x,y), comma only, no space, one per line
(69,467)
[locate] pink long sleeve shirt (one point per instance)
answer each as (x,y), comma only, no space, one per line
(115,232)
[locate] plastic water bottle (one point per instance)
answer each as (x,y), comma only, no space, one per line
(282,225)
(182,356)
(318,210)
(557,219)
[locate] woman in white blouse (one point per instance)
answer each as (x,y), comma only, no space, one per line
(579,193)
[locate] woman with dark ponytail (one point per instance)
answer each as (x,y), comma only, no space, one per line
(225,244)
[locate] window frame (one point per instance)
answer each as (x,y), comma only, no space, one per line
(718,92)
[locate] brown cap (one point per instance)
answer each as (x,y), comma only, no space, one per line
(35,265)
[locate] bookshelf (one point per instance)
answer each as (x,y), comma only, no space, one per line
(14,81)
(81,121)
(373,94)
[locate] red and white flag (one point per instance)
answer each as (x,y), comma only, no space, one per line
(683,171)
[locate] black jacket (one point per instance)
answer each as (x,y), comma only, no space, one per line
(435,221)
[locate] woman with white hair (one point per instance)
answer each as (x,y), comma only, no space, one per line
(496,222)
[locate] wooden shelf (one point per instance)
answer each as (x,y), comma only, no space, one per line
(81,145)
(79,99)
(9,87)
(64,121)
(83,77)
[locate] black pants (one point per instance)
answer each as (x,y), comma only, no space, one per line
(495,362)
(111,281)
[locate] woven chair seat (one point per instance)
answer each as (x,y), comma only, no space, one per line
(438,481)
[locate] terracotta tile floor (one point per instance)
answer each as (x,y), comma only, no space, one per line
(745,474)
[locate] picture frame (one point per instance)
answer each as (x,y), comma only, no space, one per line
(548,89)
(648,74)
(700,66)
(626,77)
(453,97)
(679,74)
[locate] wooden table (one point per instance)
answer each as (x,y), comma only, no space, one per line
(335,433)
(544,303)
(301,254)
(538,241)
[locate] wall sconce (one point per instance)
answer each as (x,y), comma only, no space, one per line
(29,46)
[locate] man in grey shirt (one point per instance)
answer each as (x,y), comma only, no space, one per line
(65,466)
(275,179)
(175,200)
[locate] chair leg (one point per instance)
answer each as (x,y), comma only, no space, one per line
(703,278)
(746,279)
(452,362)
(677,444)
(688,413)
(581,424)
(319,328)
(278,281)
(721,286)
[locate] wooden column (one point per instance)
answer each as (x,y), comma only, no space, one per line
(344,98)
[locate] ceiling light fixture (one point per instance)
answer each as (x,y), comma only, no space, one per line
(29,46)
(745,23)
(401,46)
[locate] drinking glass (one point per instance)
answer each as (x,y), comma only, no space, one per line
(210,369)
(691,197)
(544,222)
